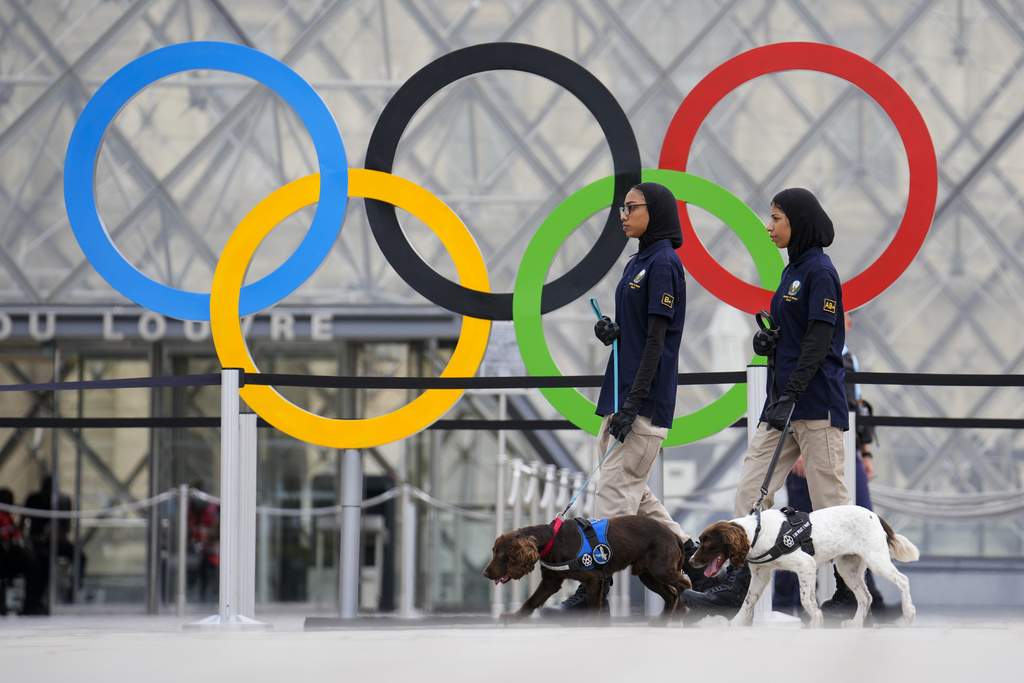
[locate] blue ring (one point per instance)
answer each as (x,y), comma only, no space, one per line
(84,145)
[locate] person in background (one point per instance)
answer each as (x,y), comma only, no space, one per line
(18,559)
(204,541)
(38,530)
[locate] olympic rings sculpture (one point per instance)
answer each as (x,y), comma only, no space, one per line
(228,300)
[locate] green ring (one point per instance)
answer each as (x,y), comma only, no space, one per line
(539,254)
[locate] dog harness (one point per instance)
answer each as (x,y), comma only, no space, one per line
(594,549)
(794,533)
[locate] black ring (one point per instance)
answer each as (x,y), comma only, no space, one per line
(407,100)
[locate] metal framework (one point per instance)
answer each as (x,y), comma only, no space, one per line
(188,157)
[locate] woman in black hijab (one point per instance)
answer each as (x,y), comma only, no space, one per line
(806,388)
(650,305)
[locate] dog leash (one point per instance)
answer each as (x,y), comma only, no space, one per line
(561,515)
(615,363)
(766,322)
(615,353)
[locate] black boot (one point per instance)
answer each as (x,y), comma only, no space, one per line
(725,598)
(698,581)
(843,603)
(577,602)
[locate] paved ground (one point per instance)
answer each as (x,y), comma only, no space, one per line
(941,646)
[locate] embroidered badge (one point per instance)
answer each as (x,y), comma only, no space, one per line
(639,276)
(668,300)
(794,288)
(830,306)
(602,553)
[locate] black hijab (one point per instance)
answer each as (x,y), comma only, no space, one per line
(662,216)
(809,225)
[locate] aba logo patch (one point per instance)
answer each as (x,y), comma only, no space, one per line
(668,300)
(830,306)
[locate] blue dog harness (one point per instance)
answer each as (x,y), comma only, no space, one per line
(594,549)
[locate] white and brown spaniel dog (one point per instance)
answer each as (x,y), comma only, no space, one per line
(852,536)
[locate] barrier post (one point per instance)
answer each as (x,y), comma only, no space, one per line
(230,382)
(183,503)
(237,512)
(500,464)
(516,592)
(757,387)
(246,543)
(407,582)
(351,511)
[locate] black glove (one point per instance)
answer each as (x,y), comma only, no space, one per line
(777,414)
(765,342)
(607,330)
(622,421)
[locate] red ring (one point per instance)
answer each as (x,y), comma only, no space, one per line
(868,77)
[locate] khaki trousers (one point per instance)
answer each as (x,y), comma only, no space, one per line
(824,453)
(622,488)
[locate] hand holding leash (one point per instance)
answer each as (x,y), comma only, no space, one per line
(779,414)
(622,422)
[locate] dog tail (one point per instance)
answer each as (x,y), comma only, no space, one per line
(900,547)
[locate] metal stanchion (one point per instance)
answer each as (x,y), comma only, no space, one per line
(183,503)
(351,510)
(407,582)
(237,513)
(501,462)
(757,387)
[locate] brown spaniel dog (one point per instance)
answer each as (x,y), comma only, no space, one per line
(654,552)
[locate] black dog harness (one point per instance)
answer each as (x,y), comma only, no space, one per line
(594,549)
(794,533)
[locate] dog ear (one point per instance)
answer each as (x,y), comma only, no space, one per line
(737,543)
(522,557)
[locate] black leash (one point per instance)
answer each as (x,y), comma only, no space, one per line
(767,323)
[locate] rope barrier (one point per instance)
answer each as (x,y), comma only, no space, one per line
(918,504)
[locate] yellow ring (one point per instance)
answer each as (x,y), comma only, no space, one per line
(233,352)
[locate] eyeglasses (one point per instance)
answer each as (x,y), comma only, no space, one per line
(625,210)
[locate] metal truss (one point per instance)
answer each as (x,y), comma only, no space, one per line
(191,155)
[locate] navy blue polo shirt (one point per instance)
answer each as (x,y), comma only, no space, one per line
(653,282)
(810,290)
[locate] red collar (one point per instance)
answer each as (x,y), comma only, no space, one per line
(547,548)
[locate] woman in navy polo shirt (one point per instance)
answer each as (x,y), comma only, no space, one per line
(650,305)
(808,385)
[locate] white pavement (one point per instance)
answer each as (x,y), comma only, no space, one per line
(143,649)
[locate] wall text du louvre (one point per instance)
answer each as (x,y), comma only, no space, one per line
(42,326)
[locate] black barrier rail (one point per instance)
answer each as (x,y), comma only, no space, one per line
(518,382)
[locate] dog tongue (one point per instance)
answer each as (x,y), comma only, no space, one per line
(713,568)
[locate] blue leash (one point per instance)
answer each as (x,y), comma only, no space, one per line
(615,351)
(582,488)
(615,363)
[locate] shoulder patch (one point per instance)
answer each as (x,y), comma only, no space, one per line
(667,300)
(830,306)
